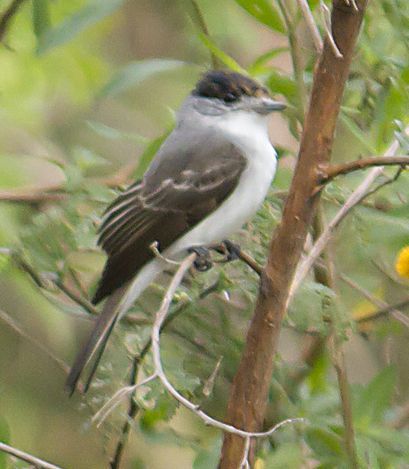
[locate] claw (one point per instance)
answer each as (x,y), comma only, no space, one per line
(203,261)
(232,250)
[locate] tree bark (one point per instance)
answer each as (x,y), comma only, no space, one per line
(248,397)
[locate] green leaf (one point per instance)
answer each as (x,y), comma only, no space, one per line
(359,134)
(115,134)
(148,154)
(41,17)
(324,442)
(75,24)
(136,72)
(222,56)
(208,457)
(5,261)
(264,12)
(86,159)
(259,66)
(284,85)
(287,455)
(374,399)
(5,438)
(391,440)
(164,410)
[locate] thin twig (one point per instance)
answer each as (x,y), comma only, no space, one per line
(309,19)
(17,328)
(326,17)
(133,407)
(159,372)
(360,193)
(116,399)
(338,359)
(296,56)
(334,171)
(198,19)
(327,277)
(396,314)
(89,307)
(31,196)
(8,15)
(36,462)
(161,320)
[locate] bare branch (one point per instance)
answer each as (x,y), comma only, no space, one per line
(133,407)
(360,193)
(395,313)
(326,16)
(309,19)
(383,311)
(36,462)
(198,19)
(334,171)
(160,320)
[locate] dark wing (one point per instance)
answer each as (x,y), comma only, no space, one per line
(173,197)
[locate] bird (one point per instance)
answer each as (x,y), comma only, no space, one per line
(207,179)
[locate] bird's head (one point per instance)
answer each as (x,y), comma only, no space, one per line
(219,92)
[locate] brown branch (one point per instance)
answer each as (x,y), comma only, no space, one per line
(296,56)
(382,312)
(334,171)
(198,19)
(327,277)
(31,197)
(8,15)
(57,192)
(248,398)
(338,361)
(357,197)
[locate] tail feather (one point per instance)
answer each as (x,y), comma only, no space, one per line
(96,342)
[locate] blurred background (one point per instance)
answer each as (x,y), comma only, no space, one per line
(88,91)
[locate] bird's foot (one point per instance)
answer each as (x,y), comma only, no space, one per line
(203,261)
(231,251)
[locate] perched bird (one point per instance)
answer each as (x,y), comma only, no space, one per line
(208,178)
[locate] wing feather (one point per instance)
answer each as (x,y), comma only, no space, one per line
(164,207)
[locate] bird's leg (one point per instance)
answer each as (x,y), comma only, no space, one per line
(231,251)
(203,261)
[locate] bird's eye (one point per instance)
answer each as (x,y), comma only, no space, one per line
(230,97)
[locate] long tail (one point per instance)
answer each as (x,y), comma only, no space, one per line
(115,306)
(95,345)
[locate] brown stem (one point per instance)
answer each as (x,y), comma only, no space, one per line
(337,170)
(338,360)
(248,398)
(8,15)
(198,19)
(296,56)
(327,277)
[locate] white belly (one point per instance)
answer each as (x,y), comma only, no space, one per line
(245,200)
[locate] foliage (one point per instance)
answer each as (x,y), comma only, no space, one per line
(78,105)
